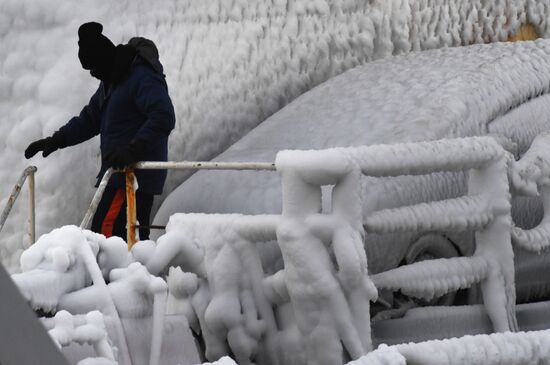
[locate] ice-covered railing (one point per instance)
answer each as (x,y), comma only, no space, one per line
(495,349)
(313,305)
(321,293)
(485,209)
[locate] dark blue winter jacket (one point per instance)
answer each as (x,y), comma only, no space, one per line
(137,108)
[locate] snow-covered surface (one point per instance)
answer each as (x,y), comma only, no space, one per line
(229,65)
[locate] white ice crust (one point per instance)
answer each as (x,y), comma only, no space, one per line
(229,65)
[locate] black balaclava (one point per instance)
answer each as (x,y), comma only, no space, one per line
(95,51)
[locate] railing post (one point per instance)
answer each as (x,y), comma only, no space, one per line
(32,215)
(29,171)
(130,208)
(87,220)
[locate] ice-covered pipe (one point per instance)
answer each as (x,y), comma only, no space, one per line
(494,243)
(459,214)
(204,165)
(494,349)
(325,167)
(433,278)
(426,157)
(98,281)
(343,290)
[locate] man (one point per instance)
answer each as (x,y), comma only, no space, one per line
(133,114)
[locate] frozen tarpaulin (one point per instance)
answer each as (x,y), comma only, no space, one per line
(23,339)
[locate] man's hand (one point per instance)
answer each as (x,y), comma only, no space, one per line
(46,145)
(124,156)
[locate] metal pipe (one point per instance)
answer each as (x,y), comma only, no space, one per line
(32,214)
(130,209)
(96,199)
(14,194)
(160,165)
(190,165)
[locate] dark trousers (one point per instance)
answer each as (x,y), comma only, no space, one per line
(110,216)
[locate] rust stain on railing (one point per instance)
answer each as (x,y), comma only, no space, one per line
(130,208)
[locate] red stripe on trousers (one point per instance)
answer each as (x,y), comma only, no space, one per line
(112,214)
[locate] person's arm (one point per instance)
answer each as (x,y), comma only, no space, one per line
(77,130)
(84,126)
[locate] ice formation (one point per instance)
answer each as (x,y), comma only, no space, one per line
(497,349)
(229,65)
(325,276)
(92,331)
(292,288)
(71,265)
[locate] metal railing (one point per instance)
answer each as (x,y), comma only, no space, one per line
(28,172)
(157,165)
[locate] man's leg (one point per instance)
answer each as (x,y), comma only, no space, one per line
(110,216)
(144,203)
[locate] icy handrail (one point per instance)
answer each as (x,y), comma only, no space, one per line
(417,158)
(459,214)
(514,348)
(155,165)
(417,279)
(486,208)
(28,172)
(87,220)
(202,165)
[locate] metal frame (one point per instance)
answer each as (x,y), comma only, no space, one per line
(28,172)
(158,165)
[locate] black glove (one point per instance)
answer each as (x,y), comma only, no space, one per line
(46,145)
(124,156)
